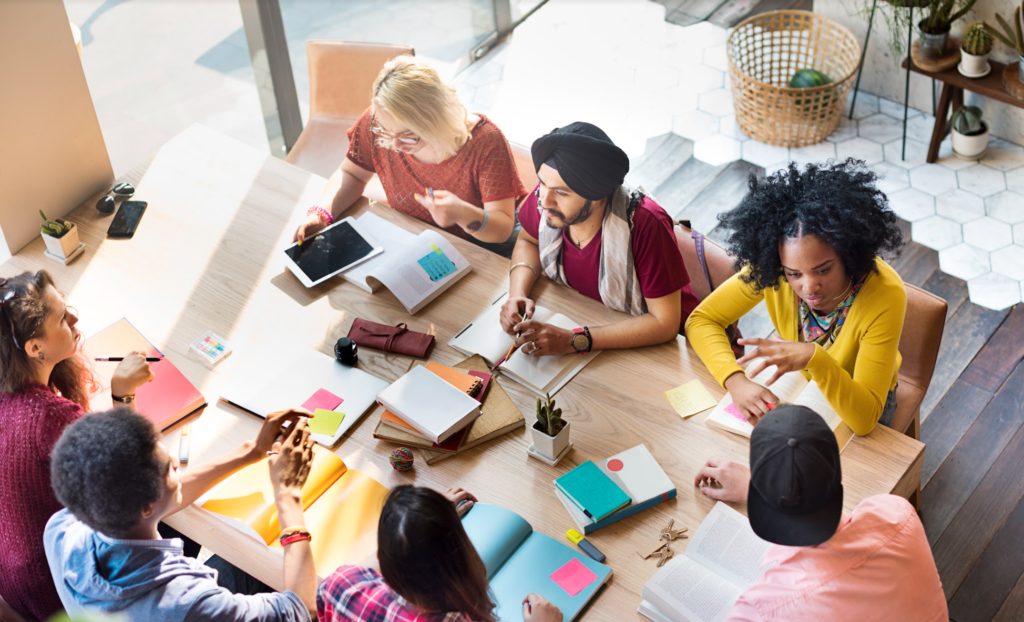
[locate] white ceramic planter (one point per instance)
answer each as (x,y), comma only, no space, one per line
(64,245)
(548,446)
(972,65)
(970,147)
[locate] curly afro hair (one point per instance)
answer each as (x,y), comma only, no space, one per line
(836,200)
(105,470)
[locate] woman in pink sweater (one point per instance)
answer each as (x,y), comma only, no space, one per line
(44,386)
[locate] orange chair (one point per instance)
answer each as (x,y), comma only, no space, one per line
(919,347)
(341,76)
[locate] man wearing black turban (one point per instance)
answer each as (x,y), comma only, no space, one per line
(583,226)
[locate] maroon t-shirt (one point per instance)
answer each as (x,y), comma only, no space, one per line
(659,266)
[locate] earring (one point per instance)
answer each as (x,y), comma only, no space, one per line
(42,357)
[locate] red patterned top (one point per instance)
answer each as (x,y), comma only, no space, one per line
(482,171)
(31,421)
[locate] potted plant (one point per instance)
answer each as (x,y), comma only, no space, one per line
(974,52)
(550,432)
(970,133)
(61,236)
(1012,37)
(939,16)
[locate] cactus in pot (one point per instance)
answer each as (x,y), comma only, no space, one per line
(550,433)
(549,417)
(54,228)
(970,133)
(60,237)
(977,40)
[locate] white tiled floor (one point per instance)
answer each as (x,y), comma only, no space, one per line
(559,67)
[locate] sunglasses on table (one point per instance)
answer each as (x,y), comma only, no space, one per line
(107,202)
(405,140)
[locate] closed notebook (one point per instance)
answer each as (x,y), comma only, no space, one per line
(592,491)
(431,405)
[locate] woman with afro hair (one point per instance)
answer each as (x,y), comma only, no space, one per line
(811,244)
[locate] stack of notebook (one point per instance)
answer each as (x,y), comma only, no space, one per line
(499,414)
(597,495)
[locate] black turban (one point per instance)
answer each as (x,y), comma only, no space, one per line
(585,157)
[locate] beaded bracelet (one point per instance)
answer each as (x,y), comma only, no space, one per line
(321,213)
(297,536)
(295,529)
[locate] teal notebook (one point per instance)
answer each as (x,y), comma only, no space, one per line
(520,561)
(592,491)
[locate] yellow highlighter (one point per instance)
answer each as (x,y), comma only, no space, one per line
(585,546)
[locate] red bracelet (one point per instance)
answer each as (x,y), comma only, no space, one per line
(295,536)
(322,213)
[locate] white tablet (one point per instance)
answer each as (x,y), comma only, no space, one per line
(332,251)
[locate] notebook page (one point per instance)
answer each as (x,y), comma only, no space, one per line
(428,264)
(496,533)
(786,388)
(484,335)
(727,545)
(813,398)
(392,237)
(685,591)
(547,374)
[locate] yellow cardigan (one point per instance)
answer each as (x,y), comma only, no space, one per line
(858,370)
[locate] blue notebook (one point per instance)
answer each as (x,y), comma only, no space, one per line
(520,561)
(592,491)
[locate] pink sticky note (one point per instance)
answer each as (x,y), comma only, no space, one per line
(573,577)
(735,412)
(322,399)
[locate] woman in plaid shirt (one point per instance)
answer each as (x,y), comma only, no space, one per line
(426,569)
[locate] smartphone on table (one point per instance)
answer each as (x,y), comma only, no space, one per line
(127,218)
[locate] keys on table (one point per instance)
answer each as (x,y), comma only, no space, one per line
(661,548)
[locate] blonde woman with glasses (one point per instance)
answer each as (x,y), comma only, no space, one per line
(436,161)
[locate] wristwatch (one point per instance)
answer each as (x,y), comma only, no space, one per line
(127,399)
(581,340)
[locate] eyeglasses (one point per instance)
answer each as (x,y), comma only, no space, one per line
(405,140)
(8,294)
(107,202)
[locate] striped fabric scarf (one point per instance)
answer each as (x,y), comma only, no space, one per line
(823,329)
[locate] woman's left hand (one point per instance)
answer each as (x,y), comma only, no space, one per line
(445,208)
(787,356)
(540,339)
(457,496)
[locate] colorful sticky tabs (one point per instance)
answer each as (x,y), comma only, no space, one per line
(573,577)
(322,399)
(690,398)
(436,249)
(437,265)
(735,412)
(326,422)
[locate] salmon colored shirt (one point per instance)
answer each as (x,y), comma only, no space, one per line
(877,566)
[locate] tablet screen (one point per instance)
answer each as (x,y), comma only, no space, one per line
(331,250)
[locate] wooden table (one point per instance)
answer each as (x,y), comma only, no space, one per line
(205,257)
(953,86)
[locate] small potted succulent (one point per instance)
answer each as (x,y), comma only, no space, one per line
(970,133)
(550,432)
(1012,37)
(61,236)
(974,52)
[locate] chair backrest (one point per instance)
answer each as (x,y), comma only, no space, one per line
(524,164)
(341,74)
(719,262)
(922,335)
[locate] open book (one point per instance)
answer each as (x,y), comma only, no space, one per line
(416,268)
(542,375)
(520,561)
(791,388)
(342,508)
(722,560)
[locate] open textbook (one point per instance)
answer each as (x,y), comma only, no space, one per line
(342,507)
(543,374)
(721,561)
(416,268)
(791,388)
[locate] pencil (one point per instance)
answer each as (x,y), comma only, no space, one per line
(118,359)
(512,348)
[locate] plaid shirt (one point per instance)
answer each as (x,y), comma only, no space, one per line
(354,594)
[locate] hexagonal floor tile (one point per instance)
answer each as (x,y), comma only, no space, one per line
(912,205)
(917,152)
(861,149)
(960,205)
(715,58)
(818,154)
(647,123)
(761,154)
(1003,155)
(701,79)
(676,100)
(988,234)
(682,55)
(937,232)
(921,127)
(846,129)
(1015,179)
(728,126)
(963,261)
(1018,234)
(656,77)
(717,150)
(880,128)
(895,109)
(1007,206)
(867,105)
(981,180)
(695,125)
(949,159)
(994,291)
(933,179)
(1009,261)
(717,102)
(891,178)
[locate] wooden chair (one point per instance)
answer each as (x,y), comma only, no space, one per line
(341,76)
(719,262)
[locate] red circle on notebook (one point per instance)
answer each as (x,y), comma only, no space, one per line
(615,465)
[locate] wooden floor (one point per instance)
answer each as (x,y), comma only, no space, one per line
(724,13)
(972,499)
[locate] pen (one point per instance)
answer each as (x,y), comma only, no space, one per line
(184,444)
(118,359)
(511,348)
(431,191)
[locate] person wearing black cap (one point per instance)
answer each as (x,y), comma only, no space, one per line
(583,227)
(871,564)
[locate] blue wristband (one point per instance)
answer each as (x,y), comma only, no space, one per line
(483,226)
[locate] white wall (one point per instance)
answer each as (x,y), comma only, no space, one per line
(883,76)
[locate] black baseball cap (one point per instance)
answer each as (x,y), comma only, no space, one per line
(796,489)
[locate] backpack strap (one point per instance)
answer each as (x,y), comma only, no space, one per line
(698,243)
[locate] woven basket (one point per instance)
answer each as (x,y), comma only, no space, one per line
(765,51)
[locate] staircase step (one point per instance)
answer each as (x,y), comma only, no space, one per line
(663,156)
(724,192)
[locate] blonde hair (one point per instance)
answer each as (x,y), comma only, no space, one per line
(413,93)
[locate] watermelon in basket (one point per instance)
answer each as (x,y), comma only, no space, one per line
(808,79)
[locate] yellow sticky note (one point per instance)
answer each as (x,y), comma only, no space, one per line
(690,398)
(436,249)
(325,422)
